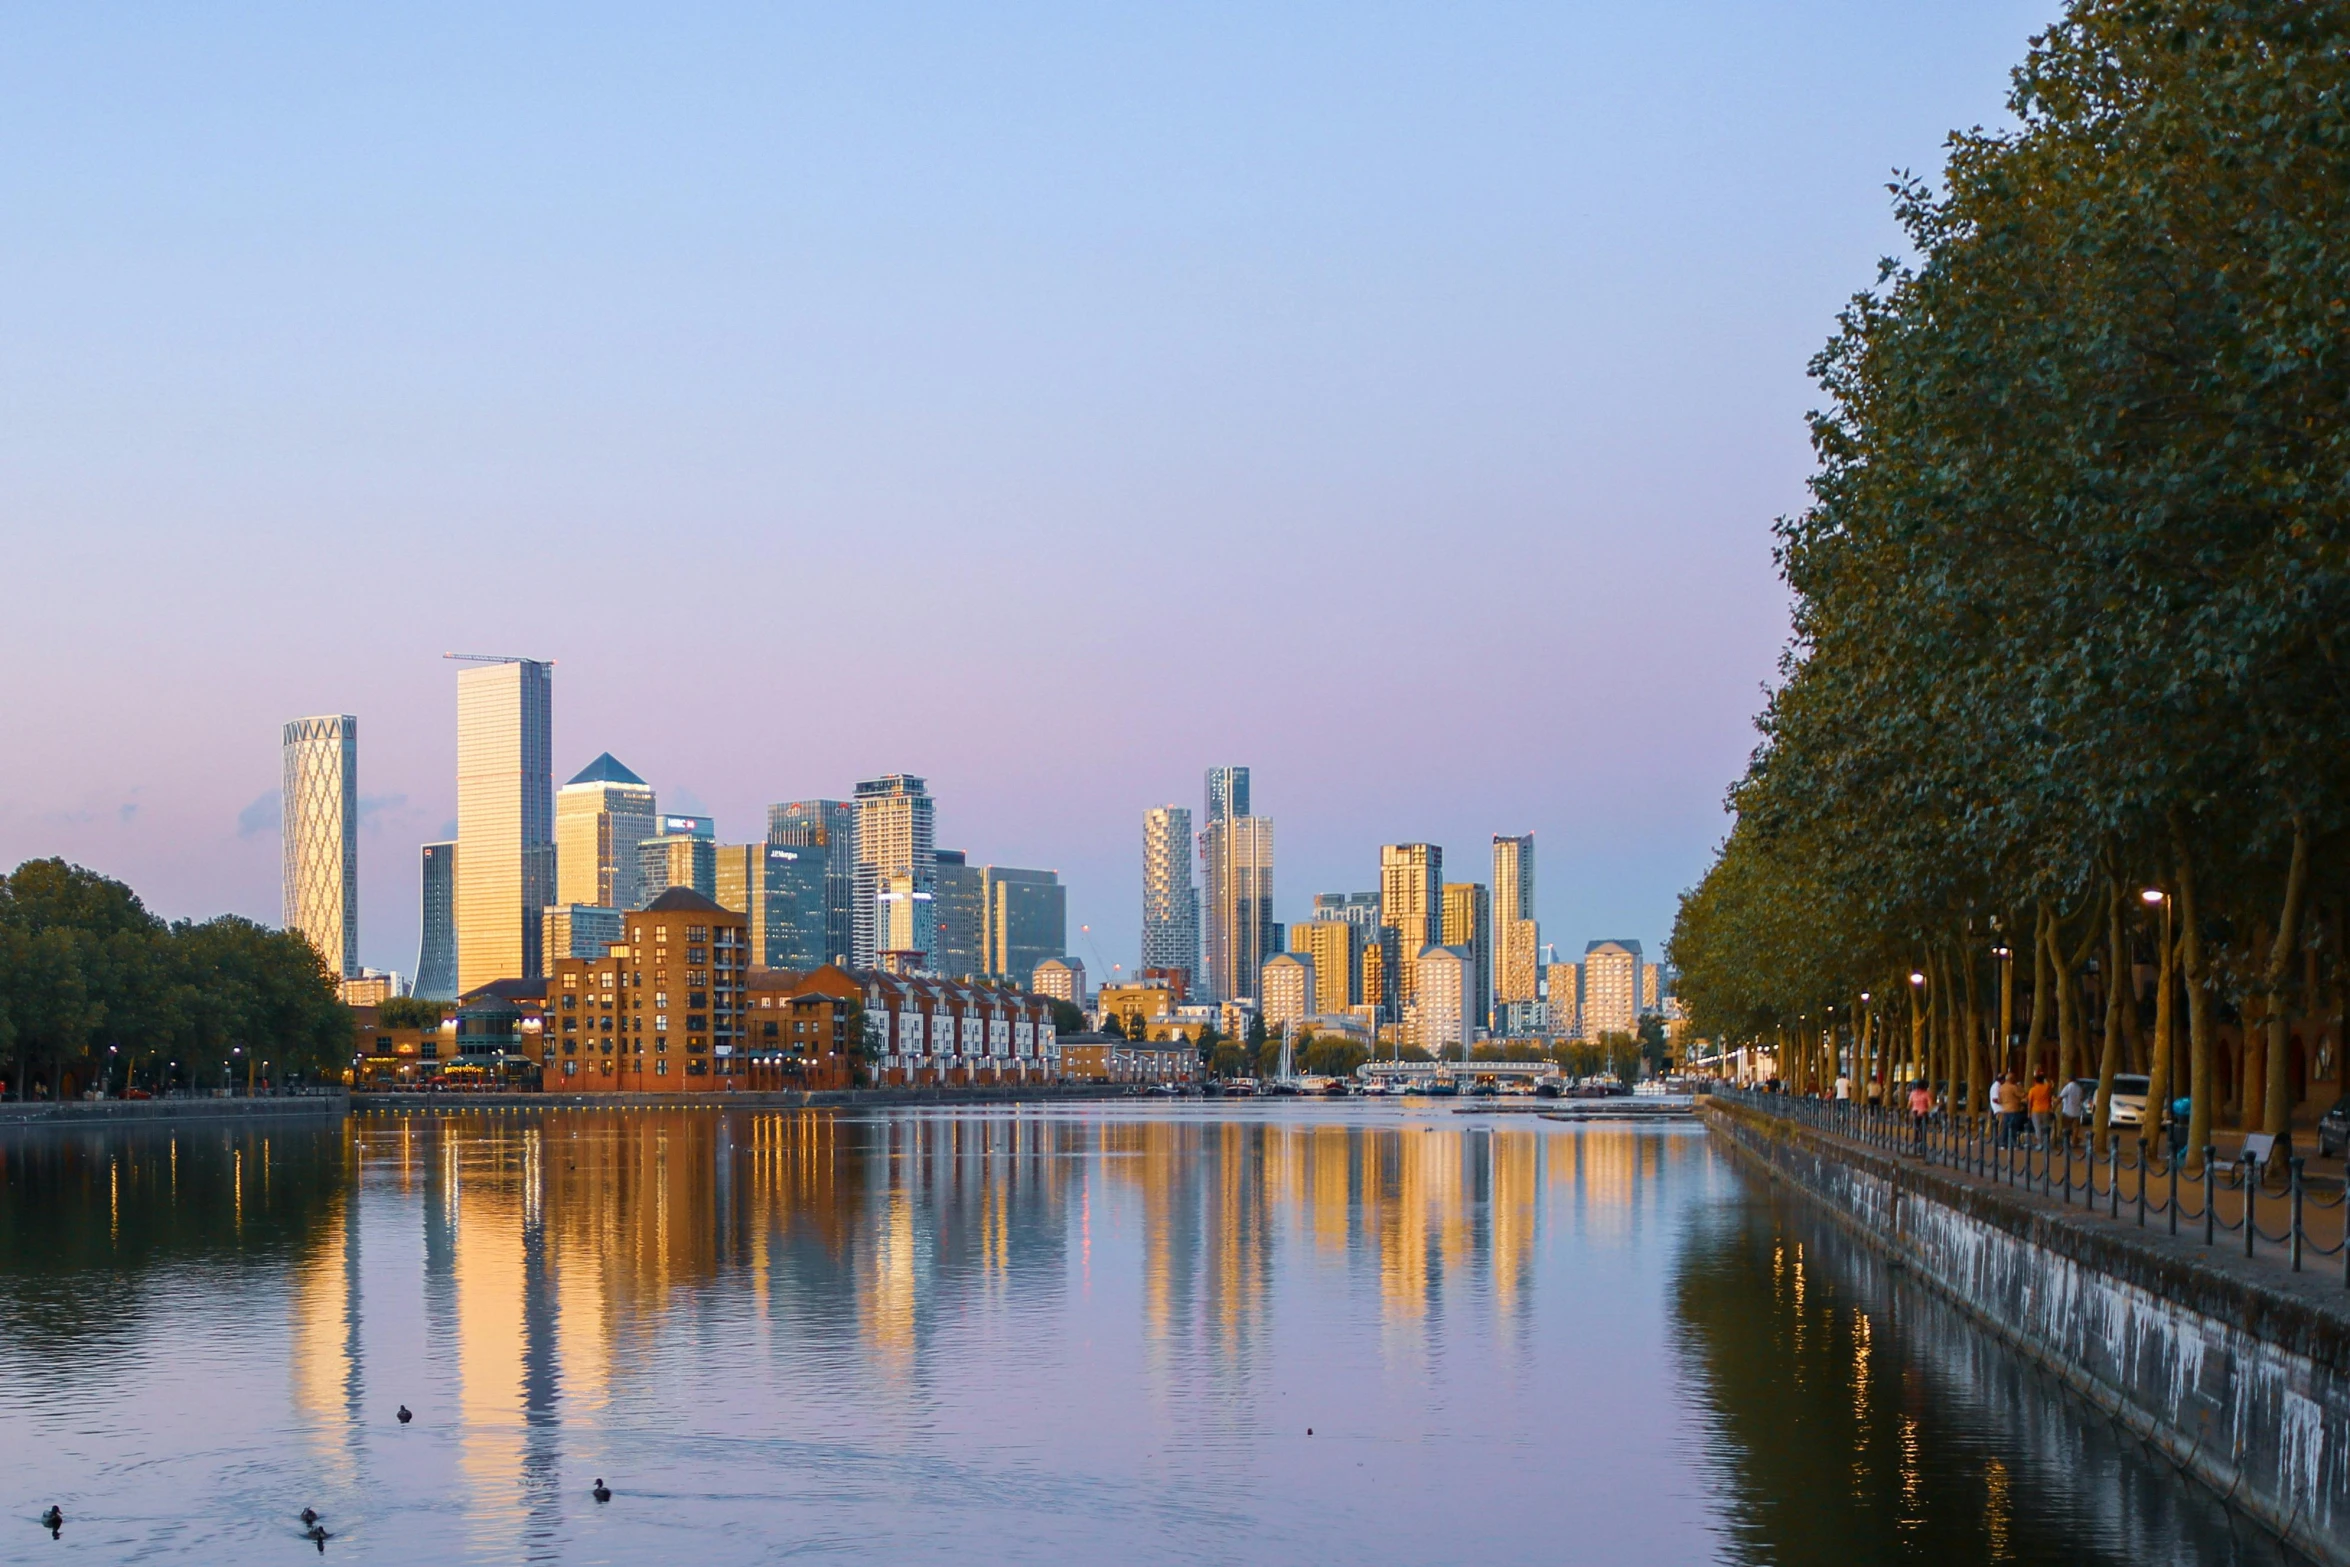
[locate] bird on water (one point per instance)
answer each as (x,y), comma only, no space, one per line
(318,1536)
(310,1515)
(54,1520)
(602,1492)
(406,1414)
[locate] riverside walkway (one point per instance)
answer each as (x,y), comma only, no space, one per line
(2295,1224)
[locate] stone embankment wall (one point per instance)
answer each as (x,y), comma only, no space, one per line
(786,1099)
(153,1112)
(2238,1371)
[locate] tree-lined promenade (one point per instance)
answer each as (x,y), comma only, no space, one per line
(2066,701)
(97,991)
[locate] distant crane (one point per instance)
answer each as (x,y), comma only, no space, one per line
(495,658)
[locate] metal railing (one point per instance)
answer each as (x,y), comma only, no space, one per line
(2064,1167)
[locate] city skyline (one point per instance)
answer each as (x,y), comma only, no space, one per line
(1009,371)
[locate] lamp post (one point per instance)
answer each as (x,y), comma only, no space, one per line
(234,1051)
(1917,1028)
(106,1089)
(2165,1063)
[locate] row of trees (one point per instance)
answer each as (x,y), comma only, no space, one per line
(2066,706)
(93,986)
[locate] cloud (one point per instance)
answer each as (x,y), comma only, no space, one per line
(259,817)
(449,829)
(373,805)
(130,808)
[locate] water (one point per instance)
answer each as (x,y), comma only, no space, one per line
(1082,1334)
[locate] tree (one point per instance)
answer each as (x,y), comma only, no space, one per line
(1068,1017)
(1112,1026)
(411,1012)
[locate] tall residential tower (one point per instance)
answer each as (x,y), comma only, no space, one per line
(1517,939)
(897,869)
(1170,901)
(1236,857)
(321,833)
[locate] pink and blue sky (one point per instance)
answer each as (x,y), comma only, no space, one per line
(1050,400)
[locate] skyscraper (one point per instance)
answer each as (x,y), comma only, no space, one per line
(1517,938)
(1411,904)
(1440,1006)
(1027,921)
(1611,988)
(600,818)
(1236,855)
(897,869)
(320,829)
(1170,901)
(961,908)
(505,818)
(436,952)
(1468,925)
(780,889)
(684,853)
(830,825)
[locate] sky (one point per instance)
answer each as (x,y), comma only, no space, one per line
(1053,401)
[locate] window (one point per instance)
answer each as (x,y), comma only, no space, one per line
(661,1068)
(571,1003)
(570,1068)
(697,933)
(694,1046)
(697,954)
(660,1043)
(570,982)
(697,1069)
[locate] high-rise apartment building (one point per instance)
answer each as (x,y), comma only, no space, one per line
(1654,987)
(1027,920)
(961,907)
(1562,987)
(1063,979)
(1411,904)
(1611,988)
(1236,857)
(1442,994)
(320,830)
(1517,938)
(436,951)
(1286,989)
(897,870)
(779,890)
(505,818)
(1468,924)
(830,825)
(1336,946)
(1170,901)
(600,818)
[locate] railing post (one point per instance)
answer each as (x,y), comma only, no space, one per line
(2113,1175)
(2174,1192)
(2251,1195)
(2210,1223)
(2068,1165)
(2296,1169)
(2144,1156)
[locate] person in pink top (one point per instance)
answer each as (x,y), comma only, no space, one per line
(1921,1105)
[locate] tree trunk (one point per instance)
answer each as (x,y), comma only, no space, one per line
(2043,967)
(2116,986)
(2196,972)
(2276,1117)
(2158,1091)
(1978,1071)
(2007,997)
(1917,1034)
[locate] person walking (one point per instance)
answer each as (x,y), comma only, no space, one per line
(1843,1089)
(2011,1109)
(2073,1104)
(1921,1105)
(2041,1101)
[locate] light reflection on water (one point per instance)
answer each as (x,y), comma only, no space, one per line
(1083,1333)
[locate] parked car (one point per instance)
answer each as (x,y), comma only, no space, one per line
(2129,1097)
(2333,1129)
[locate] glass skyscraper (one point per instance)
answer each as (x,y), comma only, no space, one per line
(897,870)
(830,825)
(780,887)
(505,818)
(320,829)
(1027,921)
(962,916)
(600,818)
(1236,854)
(436,953)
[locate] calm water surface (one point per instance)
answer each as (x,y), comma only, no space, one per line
(1078,1334)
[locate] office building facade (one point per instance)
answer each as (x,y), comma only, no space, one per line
(576,930)
(779,891)
(1027,921)
(436,949)
(601,815)
(505,818)
(677,859)
(1170,899)
(1468,924)
(319,826)
(830,825)
(961,907)
(1517,937)
(897,870)
(1336,946)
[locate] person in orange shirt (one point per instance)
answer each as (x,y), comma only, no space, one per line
(2042,1099)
